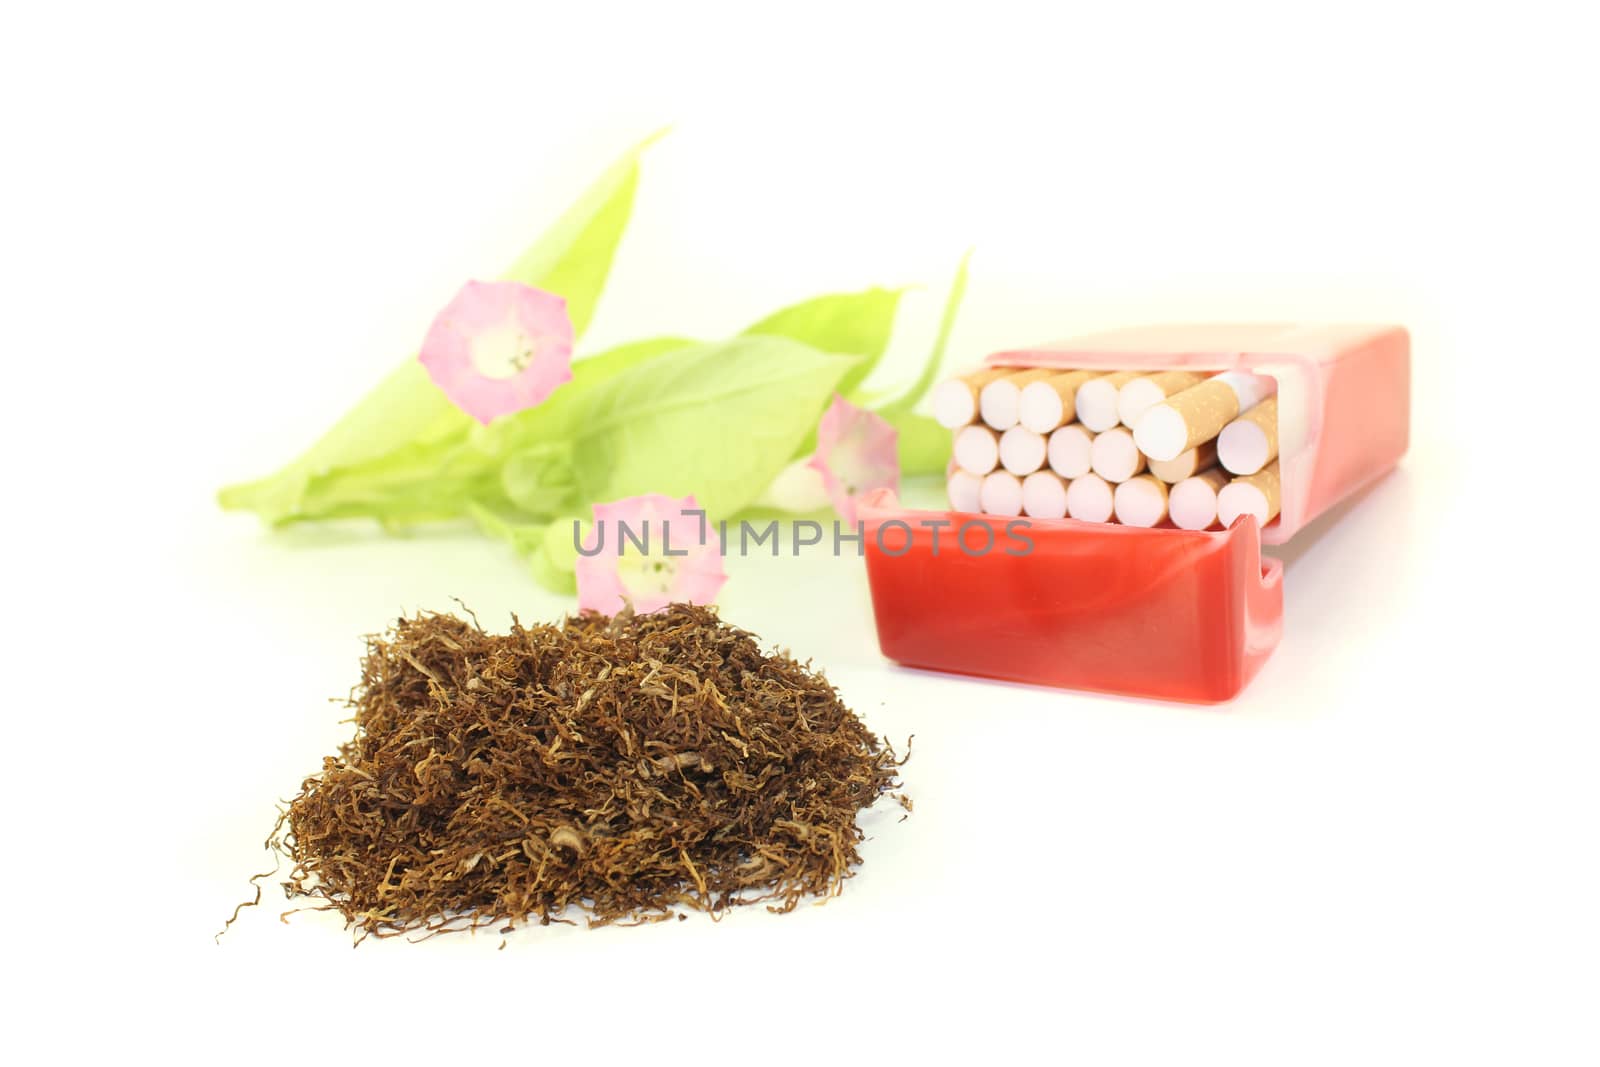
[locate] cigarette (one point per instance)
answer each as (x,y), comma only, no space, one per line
(962,488)
(1139,395)
(1141,501)
(955,402)
(977,449)
(1192,503)
(1250,442)
(1070,451)
(1114,456)
(1197,414)
(1187,465)
(1097,399)
(1000,400)
(1254,494)
(1089,499)
(1022,451)
(1044,495)
(1049,402)
(1001,494)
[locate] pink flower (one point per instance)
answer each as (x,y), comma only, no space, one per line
(499,347)
(855,454)
(649,551)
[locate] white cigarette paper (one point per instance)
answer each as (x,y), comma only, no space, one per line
(977,449)
(1021,451)
(1254,494)
(955,402)
(1044,495)
(1097,399)
(1001,494)
(1139,395)
(1089,499)
(1050,402)
(1250,442)
(1198,414)
(1000,401)
(1114,456)
(1070,451)
(1187,465)
(962,487)
(1192,503)
(1141,501)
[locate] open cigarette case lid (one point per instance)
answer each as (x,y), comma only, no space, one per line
(1161,612)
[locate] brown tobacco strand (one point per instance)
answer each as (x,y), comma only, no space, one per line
(627,767)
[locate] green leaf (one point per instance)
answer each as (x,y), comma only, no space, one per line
(852,324)
(573,258)
(947,322)
(524,459)
(923,445)
(716,420)
(540,479)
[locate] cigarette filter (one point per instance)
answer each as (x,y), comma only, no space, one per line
(1141,501)
(1000,401)
(1049,402)
(1021,451)
(1187,465)
(962,488)
(1254,494)
(1250,442)
(1199,413)
(1135,398)
(1192,503)
(1001,494)
(976,449)
(955,402)
(1044,496)
(1097,399)
(1071,451)
(1114,456)
(1089,499)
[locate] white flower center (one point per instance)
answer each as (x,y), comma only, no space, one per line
(646,574)
(502,352)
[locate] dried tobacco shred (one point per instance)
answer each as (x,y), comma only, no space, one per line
(628,767)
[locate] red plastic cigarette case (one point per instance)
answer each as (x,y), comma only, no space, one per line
(1164,613)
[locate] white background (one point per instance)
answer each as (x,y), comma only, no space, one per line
(220,226)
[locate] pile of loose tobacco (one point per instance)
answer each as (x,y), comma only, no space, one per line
(628,767)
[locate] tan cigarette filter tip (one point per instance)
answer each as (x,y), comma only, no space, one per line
(1192,503)
(1187,465)
(977,449)
(955,402)
(1139,395)
(1070,451)
(1049,402)
(1250,442)
(1021,450)
(1000,401)
(1044,495)
(1114,456)
(1089,499)
(1254,494)
(1186,419)
(1001,494)
(1141,501)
